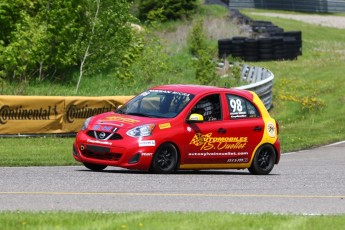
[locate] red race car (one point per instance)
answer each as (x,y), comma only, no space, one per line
(173,127)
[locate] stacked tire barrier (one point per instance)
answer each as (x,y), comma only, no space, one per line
(260,81)
(269,42)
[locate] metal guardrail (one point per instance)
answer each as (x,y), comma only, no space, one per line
(260,81)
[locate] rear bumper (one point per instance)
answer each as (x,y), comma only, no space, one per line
(277,148)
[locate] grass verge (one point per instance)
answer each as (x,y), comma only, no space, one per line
(165,220)
(38,151)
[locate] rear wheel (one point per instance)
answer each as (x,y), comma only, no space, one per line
(165,159)
(263,161)
(94,167)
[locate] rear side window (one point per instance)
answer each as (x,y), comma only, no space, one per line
(241,108)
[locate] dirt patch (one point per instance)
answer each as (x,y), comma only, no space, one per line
(323,20)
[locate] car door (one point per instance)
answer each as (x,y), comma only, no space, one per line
(203,140)
(245,128)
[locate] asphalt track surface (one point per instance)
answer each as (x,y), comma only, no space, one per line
(310,182)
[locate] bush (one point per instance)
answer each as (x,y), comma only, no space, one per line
(205,71)
(205,67)
(163,10)
(197,39)
(144,61)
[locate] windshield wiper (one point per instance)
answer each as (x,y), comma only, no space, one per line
(138,114)
(119,110)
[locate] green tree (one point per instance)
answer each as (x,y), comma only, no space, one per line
(106,36)
(49,39)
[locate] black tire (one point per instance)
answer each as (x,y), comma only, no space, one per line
(165,159)
(251,58)
(94,167)
(225,41)
(263,161)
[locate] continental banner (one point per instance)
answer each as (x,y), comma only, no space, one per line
(51,114)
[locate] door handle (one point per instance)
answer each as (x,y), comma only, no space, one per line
(221,130)
(257,128)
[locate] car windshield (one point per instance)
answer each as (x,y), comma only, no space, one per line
(156,103)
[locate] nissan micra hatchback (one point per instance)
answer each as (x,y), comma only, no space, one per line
(172,127)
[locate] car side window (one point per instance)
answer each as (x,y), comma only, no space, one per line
(241,108)
(209,107)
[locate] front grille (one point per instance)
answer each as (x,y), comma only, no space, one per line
(98,149)
(104,135)
(102,155)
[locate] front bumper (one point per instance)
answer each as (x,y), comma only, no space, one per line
(119,153)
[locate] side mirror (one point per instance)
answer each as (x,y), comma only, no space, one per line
(195,118)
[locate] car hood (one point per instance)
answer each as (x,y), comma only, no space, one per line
(123,121)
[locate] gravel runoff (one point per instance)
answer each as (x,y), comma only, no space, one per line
(323,20)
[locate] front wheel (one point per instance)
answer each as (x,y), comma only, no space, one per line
(263,161)
(94,167)
(165,159)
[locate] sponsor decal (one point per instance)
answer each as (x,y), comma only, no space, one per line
(165,126)
(166,91)
(207,142)
(104,128)
(271,129)
(121,119)
(147,143)
(238,115)
(19,113)
(146,154)
(215,154)
(238,160)
(99,142)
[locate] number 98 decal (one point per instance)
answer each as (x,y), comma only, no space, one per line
(236,105)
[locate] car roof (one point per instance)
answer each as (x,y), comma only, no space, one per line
(197,89)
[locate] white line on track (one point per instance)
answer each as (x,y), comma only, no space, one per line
(172,194)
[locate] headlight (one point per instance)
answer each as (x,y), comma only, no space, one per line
(141,131)
(86,123)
